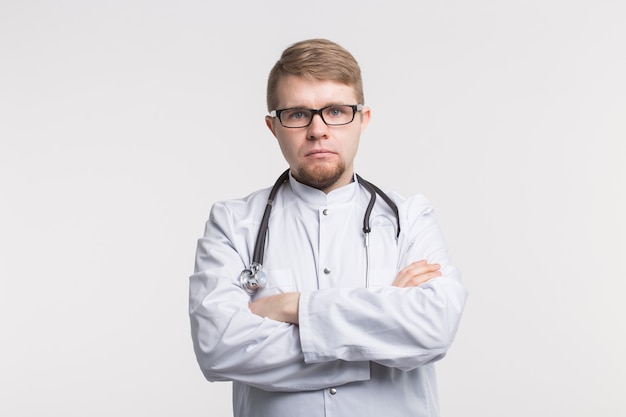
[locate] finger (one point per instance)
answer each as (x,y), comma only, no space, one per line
(416,273)
(417,268)
(406,273)
(421,279)
(422,266)
(409,269)
(414,281)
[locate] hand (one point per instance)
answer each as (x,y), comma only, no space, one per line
(416,273)
(281,307)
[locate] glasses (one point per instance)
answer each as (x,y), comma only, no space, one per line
(335,115)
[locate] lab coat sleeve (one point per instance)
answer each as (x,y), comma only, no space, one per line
(397,327)
(229,341)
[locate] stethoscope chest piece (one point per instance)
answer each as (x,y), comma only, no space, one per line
(252,279)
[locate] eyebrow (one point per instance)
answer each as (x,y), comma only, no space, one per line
(306,107)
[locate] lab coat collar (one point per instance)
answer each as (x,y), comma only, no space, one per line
(316,197)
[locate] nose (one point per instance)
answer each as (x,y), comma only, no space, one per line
(317,129)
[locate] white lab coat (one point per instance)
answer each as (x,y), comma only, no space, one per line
(357,351)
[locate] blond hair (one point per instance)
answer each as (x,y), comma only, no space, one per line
(315,59)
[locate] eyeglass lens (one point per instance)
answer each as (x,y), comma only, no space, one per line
(331,115)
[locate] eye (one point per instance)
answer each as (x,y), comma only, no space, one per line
(335,111)
(295,114)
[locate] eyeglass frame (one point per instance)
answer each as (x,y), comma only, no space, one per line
(355,108)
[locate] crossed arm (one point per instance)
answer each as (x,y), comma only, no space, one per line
(339,331)
(284,307)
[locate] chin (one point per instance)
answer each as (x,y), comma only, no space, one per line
(321,176)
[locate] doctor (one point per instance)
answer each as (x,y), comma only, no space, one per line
(339,328)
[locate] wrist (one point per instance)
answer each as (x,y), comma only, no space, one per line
(291,302)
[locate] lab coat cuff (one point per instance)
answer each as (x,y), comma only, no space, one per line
(306,327)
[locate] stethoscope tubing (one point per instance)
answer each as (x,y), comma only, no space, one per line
(259,246)
(253,278)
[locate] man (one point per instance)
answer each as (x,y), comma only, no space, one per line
(349,311)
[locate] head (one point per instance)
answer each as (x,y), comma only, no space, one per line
(313,74)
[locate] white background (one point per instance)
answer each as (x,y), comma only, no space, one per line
(121,122)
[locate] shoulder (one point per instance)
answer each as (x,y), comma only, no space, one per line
(411,207)
(238,209)
(415,206)
(414,212)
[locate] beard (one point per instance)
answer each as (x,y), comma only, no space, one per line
(321,176)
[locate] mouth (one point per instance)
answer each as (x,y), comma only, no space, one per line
(319,153)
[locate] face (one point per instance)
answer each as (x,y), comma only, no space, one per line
(318,155)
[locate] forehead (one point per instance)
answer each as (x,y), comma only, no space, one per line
(295,91)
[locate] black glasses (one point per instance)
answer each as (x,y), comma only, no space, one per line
(335,115)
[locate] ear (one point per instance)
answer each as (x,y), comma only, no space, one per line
(270,124)
(366,114)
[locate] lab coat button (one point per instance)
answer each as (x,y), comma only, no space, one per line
(325,212)
(326,271)
(333,391)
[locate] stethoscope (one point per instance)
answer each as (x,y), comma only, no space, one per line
(253,278)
